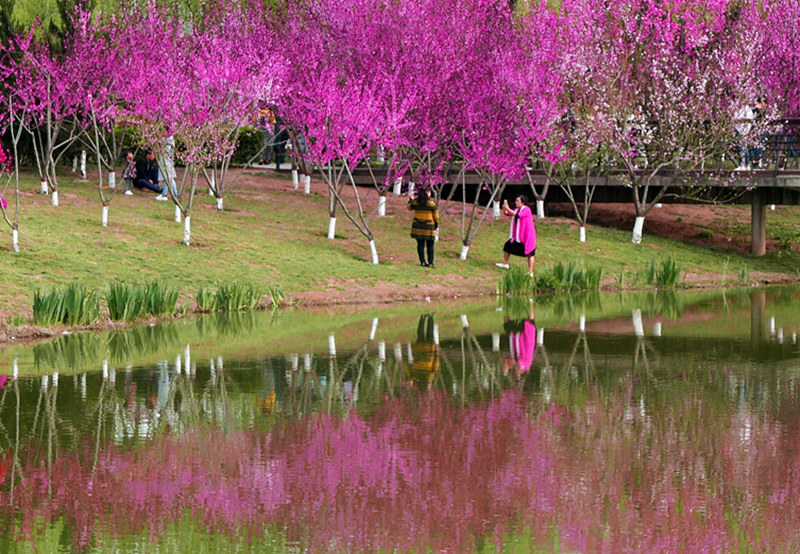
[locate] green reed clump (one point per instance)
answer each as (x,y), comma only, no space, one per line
(125,302)
(665,273)
(514,281)
(568,278)
(73,305)
(160,298)
(277,296)
(234,297)
(668,272)
(206,300)
(130,301)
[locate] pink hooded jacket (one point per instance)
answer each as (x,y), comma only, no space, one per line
(523,229)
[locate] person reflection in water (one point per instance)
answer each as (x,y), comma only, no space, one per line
(522,343)
(426,354)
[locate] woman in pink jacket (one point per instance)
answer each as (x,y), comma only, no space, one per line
(522,239)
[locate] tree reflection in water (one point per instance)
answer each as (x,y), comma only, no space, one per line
(586,445)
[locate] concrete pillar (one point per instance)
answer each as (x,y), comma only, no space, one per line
(758,233)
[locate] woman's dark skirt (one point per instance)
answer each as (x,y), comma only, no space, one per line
(517,249)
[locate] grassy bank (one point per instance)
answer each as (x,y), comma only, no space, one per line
(270,234)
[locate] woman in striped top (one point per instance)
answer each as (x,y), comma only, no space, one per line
(425,225)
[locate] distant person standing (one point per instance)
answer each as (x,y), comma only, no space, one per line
(522,238)
(425,225)
(129,172)
(266,124)
(279,142)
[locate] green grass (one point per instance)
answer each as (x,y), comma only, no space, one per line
(276,236)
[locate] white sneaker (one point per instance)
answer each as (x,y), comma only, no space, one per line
(162,198)
(128,193)
(502,266)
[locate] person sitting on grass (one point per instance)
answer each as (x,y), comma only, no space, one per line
(147,175)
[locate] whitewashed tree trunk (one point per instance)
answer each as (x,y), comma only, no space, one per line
(464,252)
(74,164)
(220,204)
(496,209)
(54,198)
(295,179)
(307,184)
(382,351)
(380,154)
(638,327)
(583,233)
(373,329)
(83,164)
(582,323)
(178,214)
(43,187)
(637,230)
(15,369)
(398,187)
(374,252)
(540,209)
(381,206)
(464,321)
(331,346)
(187,229)
(436,334)
(657,329)
(411,188)
(332,228)
(495,342)
(112,179)
(15,240)
(540,336)
(104,217)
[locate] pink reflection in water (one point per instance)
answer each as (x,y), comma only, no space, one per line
(433,475)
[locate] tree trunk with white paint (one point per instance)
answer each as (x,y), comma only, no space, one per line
(582,231)
(178,214)
(411,188)
(540,209)
(307,184)
(398,187)
(332,228)
(381,206)
(43,187)
(15,240)
(112,179)
(104,217)
(496,209)
(637,230)
(187,229)
(83,164)
(374,252)
(638,326)
(464,252)
(295,179)
(54,198)
(220,204)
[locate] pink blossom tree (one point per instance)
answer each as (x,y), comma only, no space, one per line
(674,75)
(49,87)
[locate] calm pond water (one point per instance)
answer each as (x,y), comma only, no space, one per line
(646,422)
